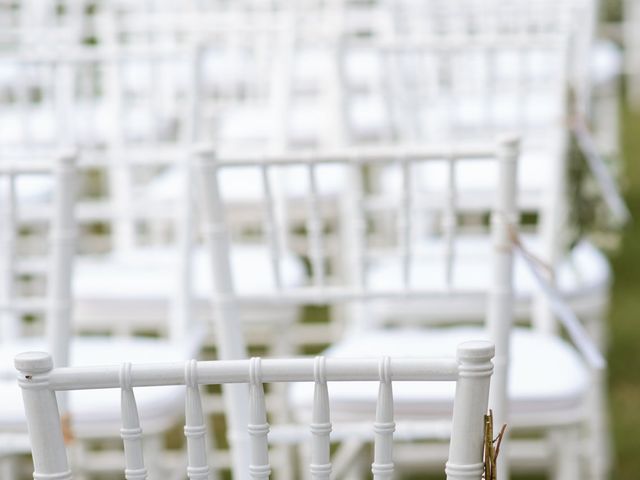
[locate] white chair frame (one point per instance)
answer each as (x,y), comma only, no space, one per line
(55,306)
(62,235)
(226,301)
(471,371)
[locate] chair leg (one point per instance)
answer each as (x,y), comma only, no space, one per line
(566,444)
(78,454)
(283,463)
(361,467)
(346,458)
(598,438)
(153,447)
(8,467)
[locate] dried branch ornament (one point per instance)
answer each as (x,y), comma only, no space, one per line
(491,447)
(67,429)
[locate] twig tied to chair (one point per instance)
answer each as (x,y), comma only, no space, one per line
(491,447)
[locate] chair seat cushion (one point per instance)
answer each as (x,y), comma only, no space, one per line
(546,374)
(583,271)
(476,180)
(244,184)
(97,412)
(150,273)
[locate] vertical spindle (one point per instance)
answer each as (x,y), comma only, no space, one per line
(271,226)
(314,227)
(9,320)
(449,223)
(404,222)
(258,426)
(130,432)
(320,424)
(384,426)
(195,429)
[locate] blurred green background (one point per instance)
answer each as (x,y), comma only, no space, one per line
(624,352)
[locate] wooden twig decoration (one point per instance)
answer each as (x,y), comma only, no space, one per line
(491,447)
(67,429)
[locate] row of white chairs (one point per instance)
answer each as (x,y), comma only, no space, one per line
(231,344)
(414,74)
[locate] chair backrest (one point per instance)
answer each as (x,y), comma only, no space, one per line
(471,371)
(152,81)
(473,85)
(325,290)
(19,260)
(445,86)
(575,19)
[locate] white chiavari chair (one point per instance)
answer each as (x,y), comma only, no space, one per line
(582,274)
(217,44)
(128,146)
(442,70)
(326,288)
(516,93)
(470,371)
(594,64)
(88,419)
(23,260)
(34,251)
(549,395)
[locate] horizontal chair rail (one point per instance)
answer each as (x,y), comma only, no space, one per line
(366,155)
(169,154)
(500,42)
(166,154)
(470,369)
(237,371)
(327,294)
(26,167)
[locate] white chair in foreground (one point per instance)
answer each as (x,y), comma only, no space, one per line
(471,372)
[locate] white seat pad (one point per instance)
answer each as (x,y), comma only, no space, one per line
(478,177)
(546,373)
(583,271)
(306,124)
(151,273)
(244,184)
(95,410)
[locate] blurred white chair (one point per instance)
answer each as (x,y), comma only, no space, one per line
(470,372)
(22,268)
(523,85)
(561,408)
(520,83)
(89,418)
(104,99)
